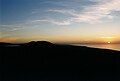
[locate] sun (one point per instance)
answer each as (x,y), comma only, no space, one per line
(108,42)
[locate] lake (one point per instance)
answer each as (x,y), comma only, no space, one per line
(103,46)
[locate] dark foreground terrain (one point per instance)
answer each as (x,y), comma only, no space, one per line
(44,61)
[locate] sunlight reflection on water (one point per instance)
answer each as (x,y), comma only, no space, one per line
(104,46)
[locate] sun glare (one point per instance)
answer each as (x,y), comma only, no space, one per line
(108,42)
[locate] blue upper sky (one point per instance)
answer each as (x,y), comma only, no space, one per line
(53,19)
(20,10)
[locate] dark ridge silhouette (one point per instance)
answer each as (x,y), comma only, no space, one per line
(39,43)
(4,44)
(44,61)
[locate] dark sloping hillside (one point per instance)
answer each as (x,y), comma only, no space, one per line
(44,61)
(4,44)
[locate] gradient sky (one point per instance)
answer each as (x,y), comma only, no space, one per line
(60,20)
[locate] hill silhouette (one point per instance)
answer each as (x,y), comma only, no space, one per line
(4,44)
(45,61)
(39,43)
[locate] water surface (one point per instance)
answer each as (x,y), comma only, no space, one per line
(103,46)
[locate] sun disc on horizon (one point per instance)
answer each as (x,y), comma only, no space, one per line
(108,42)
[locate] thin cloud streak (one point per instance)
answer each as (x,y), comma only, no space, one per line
(91,14)
(96,12)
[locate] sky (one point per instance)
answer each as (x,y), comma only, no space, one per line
(62,21)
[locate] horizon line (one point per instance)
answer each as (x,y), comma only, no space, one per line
(88,42)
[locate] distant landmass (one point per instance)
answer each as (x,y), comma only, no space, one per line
(45,61)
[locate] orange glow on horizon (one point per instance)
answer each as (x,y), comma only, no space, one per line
(65,39)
